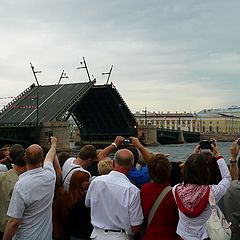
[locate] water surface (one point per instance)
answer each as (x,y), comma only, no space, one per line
(180,152)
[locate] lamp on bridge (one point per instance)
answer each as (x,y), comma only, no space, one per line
(63,75)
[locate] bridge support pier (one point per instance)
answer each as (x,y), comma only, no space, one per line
(148,134)
(60,131)
(181,137)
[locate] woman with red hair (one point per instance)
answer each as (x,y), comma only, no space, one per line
(79,221)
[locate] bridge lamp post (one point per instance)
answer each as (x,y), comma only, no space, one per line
(145,116)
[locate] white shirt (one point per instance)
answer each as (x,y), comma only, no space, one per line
(3,168)
(32,202)
(115,202)
(195,228)
(67,172)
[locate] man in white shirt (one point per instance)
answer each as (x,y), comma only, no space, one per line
(115,202)
(30,208)
(86,156)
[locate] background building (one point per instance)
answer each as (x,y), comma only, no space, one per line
(222,120)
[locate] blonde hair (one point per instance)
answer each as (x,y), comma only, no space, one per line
(105,166)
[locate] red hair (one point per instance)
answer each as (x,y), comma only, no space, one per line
(78,185)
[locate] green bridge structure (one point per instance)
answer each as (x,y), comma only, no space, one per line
(99,111)
(171,136)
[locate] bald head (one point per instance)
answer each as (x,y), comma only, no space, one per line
(124,158)
(34,154)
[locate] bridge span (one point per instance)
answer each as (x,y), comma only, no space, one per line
(98,110)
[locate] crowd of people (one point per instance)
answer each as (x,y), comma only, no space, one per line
(135,194)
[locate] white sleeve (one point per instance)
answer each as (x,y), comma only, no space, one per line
(220,189)
(17,205)
(88,195)
(135,210)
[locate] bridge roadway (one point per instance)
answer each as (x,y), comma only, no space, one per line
(99,112)
(43,103)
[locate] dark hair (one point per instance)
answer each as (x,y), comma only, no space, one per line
(176,173)
(87,152)
(159,168)
(196,170)
(62,157)
(135,154)
(214,171)
(16,155)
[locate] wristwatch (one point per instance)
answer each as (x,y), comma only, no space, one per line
(114,144)
(233,161)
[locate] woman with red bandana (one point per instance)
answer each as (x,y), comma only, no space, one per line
(192,195)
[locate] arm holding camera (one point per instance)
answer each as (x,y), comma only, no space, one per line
(197,149)
(109,149)
(52,151)
(145,153)
(234,150)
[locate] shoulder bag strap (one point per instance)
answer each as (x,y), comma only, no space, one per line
(157,203)
(68,173)
(211,200)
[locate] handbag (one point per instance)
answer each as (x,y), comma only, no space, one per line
(157,203)
(218,227)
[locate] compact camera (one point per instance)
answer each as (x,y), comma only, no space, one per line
(127,141)
(207,144)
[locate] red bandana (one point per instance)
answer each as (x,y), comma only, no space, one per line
(192,199)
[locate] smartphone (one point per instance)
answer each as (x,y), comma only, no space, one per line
(50,134)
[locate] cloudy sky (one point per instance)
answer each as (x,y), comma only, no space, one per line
(168,55)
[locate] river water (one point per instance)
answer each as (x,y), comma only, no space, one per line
(180,152)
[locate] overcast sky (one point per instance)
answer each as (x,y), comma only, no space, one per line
(168,55)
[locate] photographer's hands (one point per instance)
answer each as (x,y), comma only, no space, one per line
(234,150)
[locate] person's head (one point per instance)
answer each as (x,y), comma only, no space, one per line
(63,157)
(105,166)
(78,185)
(4,151)
(124,158)
(176,173)
(34,155)
(16,155)
(214,171)
(87,152)
(135,154)
(196,170)
(159,168)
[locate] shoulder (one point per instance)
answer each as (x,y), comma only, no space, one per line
(234,188)
(48,166)
(3,168)
(68,162)
(147,186)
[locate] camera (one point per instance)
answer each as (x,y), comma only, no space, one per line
(206,144)
(127,141)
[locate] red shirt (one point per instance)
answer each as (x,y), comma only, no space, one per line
(165,220)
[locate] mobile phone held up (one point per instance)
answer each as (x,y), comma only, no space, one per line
(50,134)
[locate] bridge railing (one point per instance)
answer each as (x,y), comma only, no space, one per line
(8,106)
